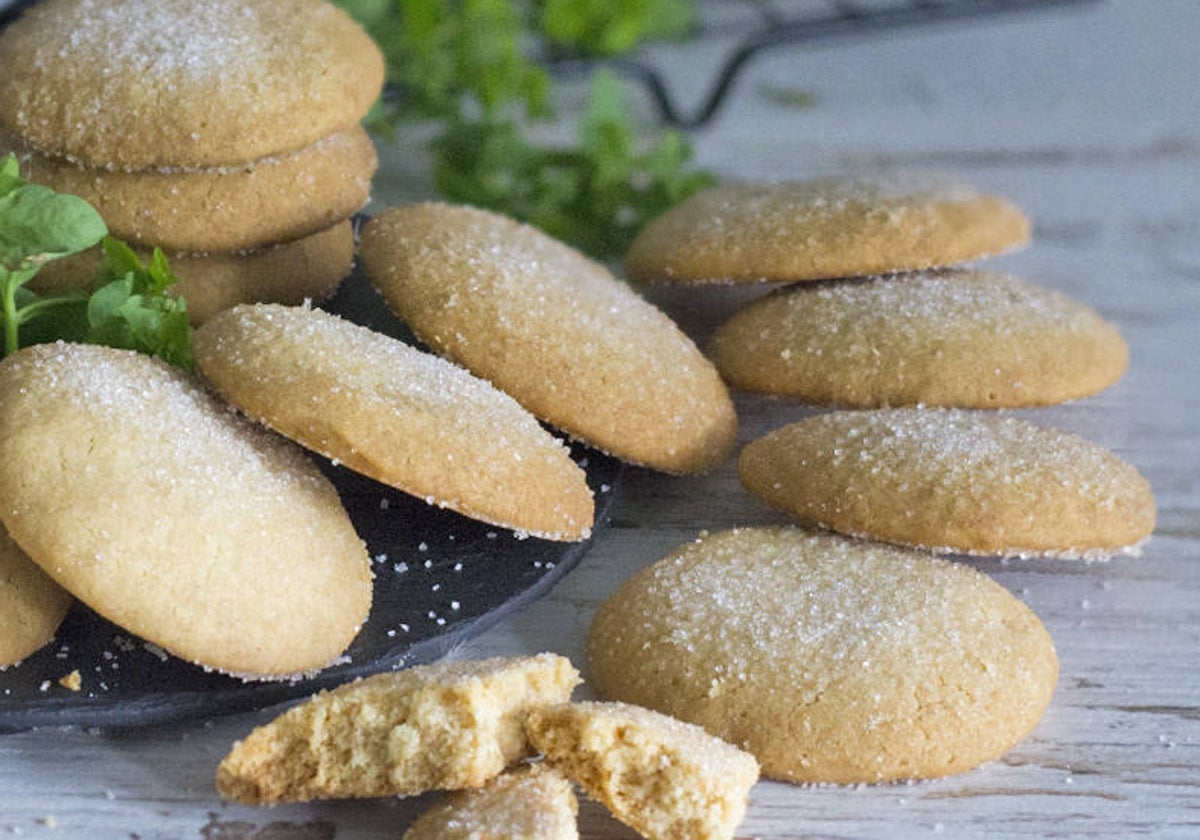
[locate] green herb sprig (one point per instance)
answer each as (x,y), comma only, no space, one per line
(129,306)
(464,66)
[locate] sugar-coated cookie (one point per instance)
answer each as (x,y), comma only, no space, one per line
(399,415)
(829,659)
(558,331)
(533,802)
(446,726)
(952,481)
(956,337)
(278,199)
(308,269)
(153,503)
(32,605)
(147,83)
(667,779)
(831,227)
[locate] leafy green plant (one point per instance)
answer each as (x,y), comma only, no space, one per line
(129,307)
(464,65)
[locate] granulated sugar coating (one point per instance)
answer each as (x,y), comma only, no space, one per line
(955,337)
(953,481)
(554,329)
(829,659)
(153,503)
(668,779)
(833,227)
(148,83)
(532,802)
(396,414)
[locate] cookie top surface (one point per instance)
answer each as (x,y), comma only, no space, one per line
(148,83)
(150,501)
(953,481)
(557,331)
(446,726)
(401,416)
(957,337)
(837,661)
(832,227)
(533,802)
(668,779)
(279,199)
(32,605)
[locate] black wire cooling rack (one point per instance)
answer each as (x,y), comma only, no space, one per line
(763,25)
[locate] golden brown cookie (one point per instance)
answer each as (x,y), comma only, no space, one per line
(667,779)
(952,481)
(446,726)
(32,605)
(836,660)
(147,83)
(956,337)
(832,227)
(309,269)
(278,199)
(542,322)
(532,802)
(403,417)
(150,501)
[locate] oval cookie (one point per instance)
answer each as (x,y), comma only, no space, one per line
(400,416)
(952,481)
(832,227)
(836,660)
(963,338)
(153,503)
(308,269)
(31,604)
(280,199)
(542,322)
(147,83)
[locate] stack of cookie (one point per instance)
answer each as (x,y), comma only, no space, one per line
(840,659)
(225,133)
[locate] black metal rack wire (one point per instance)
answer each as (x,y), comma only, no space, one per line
(774,24)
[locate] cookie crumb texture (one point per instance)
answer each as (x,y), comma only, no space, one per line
(435,727)
(824,228)
(956,337)
(137,84)
(667,779)
(953,481)
(533,802)
(568,340)
(831,660)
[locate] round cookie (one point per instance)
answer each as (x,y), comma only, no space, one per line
(150,501)
(277,199)
(403,417)
(956,337)
(952,481)
(309,269)
(31,604)
(832,227)
(667,779)
(837,660)
(569,341)
(134,84)
(532,802)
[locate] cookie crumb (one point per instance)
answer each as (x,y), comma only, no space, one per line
(72,681)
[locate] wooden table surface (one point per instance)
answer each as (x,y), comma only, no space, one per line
(1091,121)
